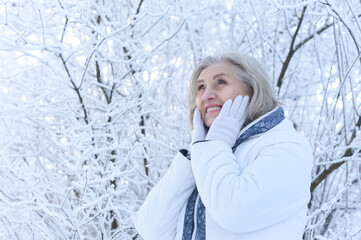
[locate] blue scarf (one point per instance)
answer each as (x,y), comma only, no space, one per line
(261,126)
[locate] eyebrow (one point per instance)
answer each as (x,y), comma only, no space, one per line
(219,74)
(214,77)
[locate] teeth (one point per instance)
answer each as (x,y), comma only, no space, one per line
(213,108)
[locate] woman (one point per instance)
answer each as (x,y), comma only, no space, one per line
(248,172)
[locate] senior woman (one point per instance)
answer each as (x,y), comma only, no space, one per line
(247,175)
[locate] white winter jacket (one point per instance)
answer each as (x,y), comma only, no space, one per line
(259,192)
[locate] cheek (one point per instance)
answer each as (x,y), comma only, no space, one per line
(232,93)
(198,102)
(226,94)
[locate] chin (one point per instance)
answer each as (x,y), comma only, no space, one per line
(209,120)
(208,124)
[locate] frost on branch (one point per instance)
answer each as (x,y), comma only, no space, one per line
(93,104)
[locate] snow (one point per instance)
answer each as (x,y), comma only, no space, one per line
(93,104)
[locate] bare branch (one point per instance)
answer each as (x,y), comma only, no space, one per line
(291,50)
(334,167)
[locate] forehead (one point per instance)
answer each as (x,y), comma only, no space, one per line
(217,68)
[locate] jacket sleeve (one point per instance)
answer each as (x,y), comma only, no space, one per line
(273,187)
(157,217)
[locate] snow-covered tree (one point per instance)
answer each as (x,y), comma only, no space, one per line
(93,104)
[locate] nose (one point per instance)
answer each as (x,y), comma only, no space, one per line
(208,94)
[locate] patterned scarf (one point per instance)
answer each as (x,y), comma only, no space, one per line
(261,126)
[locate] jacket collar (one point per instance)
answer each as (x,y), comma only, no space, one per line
(260,125)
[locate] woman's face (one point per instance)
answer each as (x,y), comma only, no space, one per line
(215,85)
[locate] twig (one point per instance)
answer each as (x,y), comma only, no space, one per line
(335,166)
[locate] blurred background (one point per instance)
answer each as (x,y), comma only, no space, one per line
(93,104)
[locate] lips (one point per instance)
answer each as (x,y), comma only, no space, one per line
(212,107)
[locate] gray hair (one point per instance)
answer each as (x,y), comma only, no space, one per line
(253,77)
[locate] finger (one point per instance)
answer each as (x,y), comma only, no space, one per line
(235,106)
(197,118)
(241,112)
(226,108)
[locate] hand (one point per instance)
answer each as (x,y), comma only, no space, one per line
(228,123)
(199,130)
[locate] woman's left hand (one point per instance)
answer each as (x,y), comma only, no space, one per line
(228,123)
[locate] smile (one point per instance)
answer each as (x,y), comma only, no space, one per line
(212,109)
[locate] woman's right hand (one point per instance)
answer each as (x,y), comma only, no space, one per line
(199,130)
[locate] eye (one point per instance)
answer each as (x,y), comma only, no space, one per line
(221,81)
(200,87)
